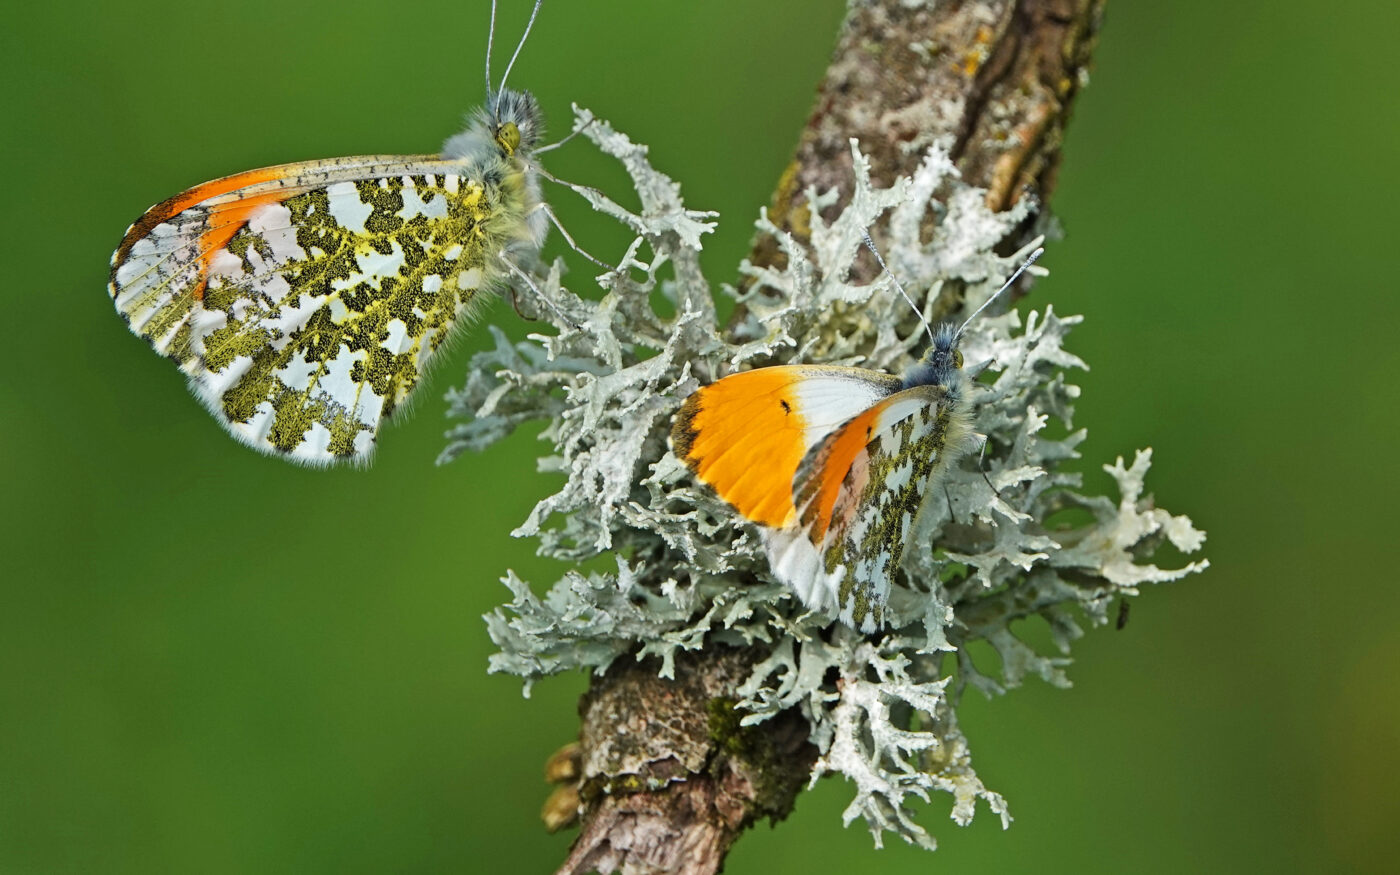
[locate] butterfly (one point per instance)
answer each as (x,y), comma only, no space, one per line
(304,302)
(832,464)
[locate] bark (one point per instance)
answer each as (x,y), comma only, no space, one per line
(664,776)
(670,779)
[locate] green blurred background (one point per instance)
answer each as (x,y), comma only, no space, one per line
(206,664)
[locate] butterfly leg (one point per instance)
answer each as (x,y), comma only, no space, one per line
(513,296)
(514,268)
(552,146)
(585,191)
(952,516)
(596,198)
(982,469)
(549,211)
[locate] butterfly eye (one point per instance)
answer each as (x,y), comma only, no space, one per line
(508,137)
(957,358)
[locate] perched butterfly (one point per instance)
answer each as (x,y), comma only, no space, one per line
(832,464)
(305,301)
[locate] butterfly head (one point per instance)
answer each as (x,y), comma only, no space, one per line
(508,126)
(512,118)
(942,364)
(516,122)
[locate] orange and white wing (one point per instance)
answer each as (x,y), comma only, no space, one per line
(304,301)
(857,493)
(746,435)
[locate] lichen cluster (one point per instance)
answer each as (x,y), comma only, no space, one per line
(1009,535)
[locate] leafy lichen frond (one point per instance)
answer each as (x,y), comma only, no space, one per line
(986,551)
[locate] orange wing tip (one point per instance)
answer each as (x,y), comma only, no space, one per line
(743,437)
(173,206)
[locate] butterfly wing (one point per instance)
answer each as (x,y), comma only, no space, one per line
(856,494)
(746,435)
(304,301)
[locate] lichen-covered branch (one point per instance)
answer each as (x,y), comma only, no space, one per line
(673,775)
(992,83)
(715,695)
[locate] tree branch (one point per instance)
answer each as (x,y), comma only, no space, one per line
(671,779)
(667,779)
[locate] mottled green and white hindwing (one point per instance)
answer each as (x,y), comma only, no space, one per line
(375,273)
(857,493)
(317,317)
(306,301)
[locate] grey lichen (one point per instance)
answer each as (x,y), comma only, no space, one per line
(690,574)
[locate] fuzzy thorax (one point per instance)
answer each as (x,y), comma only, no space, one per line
(497,150)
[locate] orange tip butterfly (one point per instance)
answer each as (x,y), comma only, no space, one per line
(304,302)
(832,464)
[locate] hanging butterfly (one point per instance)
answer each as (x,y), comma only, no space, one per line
(305,302)
(832,464)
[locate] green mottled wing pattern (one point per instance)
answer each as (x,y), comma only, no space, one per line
(857,493)
(305,307)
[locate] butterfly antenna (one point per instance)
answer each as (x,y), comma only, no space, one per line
(870,244)
(1004,286)
(490,38)
(529,24)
